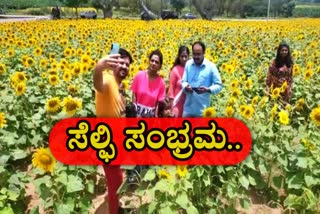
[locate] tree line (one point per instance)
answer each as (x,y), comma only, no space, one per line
(207,9)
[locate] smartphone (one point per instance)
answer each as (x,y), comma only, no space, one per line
(196,90)
(114,48)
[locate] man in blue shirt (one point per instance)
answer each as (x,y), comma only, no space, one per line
(201,78)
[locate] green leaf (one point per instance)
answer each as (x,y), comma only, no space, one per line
(187,184)
(244,182)
(36,139)
(45,191)
(4,159)
(152,207)
(13,195)
(150,175)
(14,179)
(249,163)
(295,181)
(74,184)
(293,201)
(7,210)
(192,210)
(62,178)
(165,210)
(199,170)
(18,154)
(34,210)
(206,181)
(244,203)
(182,199)
(162,185)
(90,186)
(252,180)
(302,162)
(311,181)
(43,180)
(63,208)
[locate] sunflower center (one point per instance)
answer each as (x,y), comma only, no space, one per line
(45,159)
(317,116)
(71,106)
(53,103)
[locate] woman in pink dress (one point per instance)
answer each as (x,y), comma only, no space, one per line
(176,96)
(148,88)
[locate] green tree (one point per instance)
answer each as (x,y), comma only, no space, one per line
(178,5)
(74,3)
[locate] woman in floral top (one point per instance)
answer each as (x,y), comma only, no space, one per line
(280,73)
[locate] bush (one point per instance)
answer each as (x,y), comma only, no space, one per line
(307,11)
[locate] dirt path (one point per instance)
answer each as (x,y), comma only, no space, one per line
(19,18)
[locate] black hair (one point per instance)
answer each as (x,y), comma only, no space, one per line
(124,54)
(201,44)
(279,62)
(181,49)
(157,53)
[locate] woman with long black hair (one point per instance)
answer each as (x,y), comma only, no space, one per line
(280,73)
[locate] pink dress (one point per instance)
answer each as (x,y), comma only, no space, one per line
(148,93)
(175,87)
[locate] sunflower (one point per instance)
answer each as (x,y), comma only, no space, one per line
(125,84)
(224,66)
(67,52)
(234,84)
(315,115)
(255,100)
(3,120)
(275,93)
(300,104)
(67,76)
(229,111)
(72,89)
(308,74)
(53,105)
(263,101)
(71,105)
(248,84)
(182,171)
(284,117)
(44,160)
(54,65)
(20,88)
(242,109)
(209,112)
(231,101)
(295,70)
(43,63)
(11,53)
(288,107)
(52,72)
(30,62)
(236,93)
(85,68)
(53,79)
(76,70)
(274,111)
(3,69)
(162,173)
(85,58)
(38,51)
(284,86)
(247,112)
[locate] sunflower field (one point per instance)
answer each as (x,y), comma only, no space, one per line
(46,74)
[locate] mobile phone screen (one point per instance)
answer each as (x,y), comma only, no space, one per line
(114,48)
